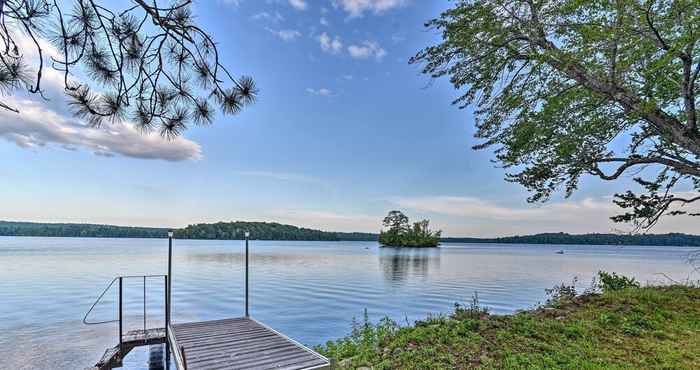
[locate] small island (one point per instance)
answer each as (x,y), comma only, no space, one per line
(400,234)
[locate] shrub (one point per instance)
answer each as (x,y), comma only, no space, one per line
(474,311)
(364,340)
(561,294)
(609,282)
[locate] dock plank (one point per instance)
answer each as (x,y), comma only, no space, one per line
(239,343)
(250,355)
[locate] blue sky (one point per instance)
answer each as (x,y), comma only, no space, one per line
(344,131)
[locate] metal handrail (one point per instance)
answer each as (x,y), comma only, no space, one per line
(105,292)
(120,307)
(95,304)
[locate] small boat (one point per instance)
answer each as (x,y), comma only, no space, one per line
(561,251)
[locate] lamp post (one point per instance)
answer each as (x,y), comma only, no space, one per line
(169,295)
(247,236)
(168,284)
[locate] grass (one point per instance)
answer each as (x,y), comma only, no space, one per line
(624,327)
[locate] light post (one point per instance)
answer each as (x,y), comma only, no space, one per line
(247,236)
(169,278)
(168,297)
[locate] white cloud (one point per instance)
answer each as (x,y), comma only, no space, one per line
(348,77)
(235,3)
(471,216)
(468,207)
(328,220)
(43,123)
(51,80)
(356,8)
(298,4)
(397,38)
(320,92)
(368,49)
(275,17)
(38,126)
(286,35)
(330,45)
(28,47)
(282,176)
(323,21)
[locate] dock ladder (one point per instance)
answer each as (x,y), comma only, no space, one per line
(235,343)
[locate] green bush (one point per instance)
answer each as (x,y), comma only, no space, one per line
(609,282)
(474,311)
(364,341)
(561,294)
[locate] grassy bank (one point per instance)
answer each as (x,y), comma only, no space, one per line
(623,327)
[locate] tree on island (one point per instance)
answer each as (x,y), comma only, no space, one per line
(400,234)
(149,63)
(563,89)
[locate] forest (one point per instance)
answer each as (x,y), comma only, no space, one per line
(264,231)
(277,231)
(219,230)
(10,228)
(672,239)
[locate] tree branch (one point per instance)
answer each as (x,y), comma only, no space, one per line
(665,123)
(659,40)
(627,163)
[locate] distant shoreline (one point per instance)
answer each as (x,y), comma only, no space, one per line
(480,241)
(280,232)
(660,240)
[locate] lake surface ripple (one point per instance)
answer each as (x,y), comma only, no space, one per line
(308,290)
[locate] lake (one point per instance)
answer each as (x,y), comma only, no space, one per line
(308,290)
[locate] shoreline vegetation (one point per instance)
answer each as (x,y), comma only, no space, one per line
(212,231)
(614,324)
(218,231)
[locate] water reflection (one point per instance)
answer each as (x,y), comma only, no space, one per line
(308,290)
(401,264)
(153,357)
(237,258)
(156,359)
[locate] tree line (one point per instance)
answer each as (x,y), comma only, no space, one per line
(263,231)
(219,230)
(8,228)
(672,239)
(276,231)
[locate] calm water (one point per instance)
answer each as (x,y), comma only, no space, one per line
(308,290)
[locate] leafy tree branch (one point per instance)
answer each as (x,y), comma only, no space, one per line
(556,86)
(149,63)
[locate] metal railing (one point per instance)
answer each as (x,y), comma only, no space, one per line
(120,305)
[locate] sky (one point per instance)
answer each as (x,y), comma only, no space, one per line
(344,130)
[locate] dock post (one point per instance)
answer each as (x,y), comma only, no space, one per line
(247,236)
(167,353)
(169,279)
(121,326)
(167,312)
(144,306)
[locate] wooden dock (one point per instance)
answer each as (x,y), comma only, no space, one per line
(240,343)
